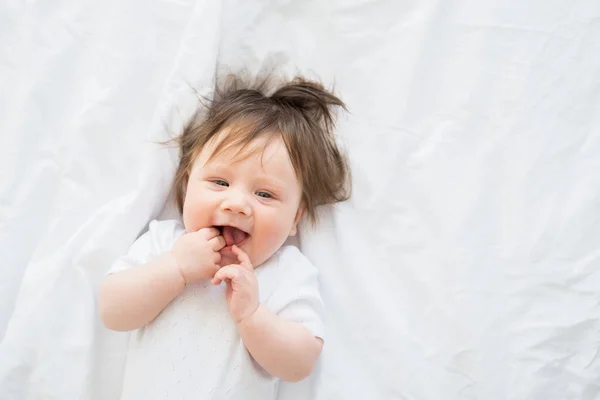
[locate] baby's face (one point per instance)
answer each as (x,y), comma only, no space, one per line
(253,198)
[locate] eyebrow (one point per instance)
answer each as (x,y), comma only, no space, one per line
(216,167)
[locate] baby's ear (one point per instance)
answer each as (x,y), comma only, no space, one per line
(297,218)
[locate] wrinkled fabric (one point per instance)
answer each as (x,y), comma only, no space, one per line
(463,267)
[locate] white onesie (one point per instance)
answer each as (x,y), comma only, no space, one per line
(192,350)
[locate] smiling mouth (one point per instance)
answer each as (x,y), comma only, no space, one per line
(232,235)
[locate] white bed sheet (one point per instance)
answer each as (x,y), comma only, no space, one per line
(464,267)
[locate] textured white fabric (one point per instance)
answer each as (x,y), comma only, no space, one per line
(192,349)
(464,267)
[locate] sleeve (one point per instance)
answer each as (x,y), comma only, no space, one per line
(297,298)
(160,237)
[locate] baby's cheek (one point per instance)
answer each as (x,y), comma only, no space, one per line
(278,234)
(263,248)
(194,217)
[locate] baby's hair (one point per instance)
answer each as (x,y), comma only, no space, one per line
(299,111)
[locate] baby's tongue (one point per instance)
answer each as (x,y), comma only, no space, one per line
(233,235)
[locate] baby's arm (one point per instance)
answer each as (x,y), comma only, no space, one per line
(132,298)
(283,348)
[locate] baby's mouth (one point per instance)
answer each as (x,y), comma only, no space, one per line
(232,235)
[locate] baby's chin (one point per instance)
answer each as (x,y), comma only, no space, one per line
(228,258)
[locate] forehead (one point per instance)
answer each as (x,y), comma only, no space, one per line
(230,147)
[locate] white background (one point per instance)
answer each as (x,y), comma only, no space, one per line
(464,267)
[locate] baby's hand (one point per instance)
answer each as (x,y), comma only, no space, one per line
(197,254)
(242,286)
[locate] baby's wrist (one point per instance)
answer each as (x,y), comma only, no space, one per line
(250,317)
(174,264)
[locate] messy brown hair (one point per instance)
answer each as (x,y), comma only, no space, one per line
(299,111)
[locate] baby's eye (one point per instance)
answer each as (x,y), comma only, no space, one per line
(264,195)
(221,182)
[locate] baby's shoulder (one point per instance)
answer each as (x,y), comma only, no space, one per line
(166,226)
(160,235)
(287,276)
(168,229)
(288,262)
(290,256)
(156,239)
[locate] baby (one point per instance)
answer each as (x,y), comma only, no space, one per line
(252,165)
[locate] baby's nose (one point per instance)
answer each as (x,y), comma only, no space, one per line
(236,202)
